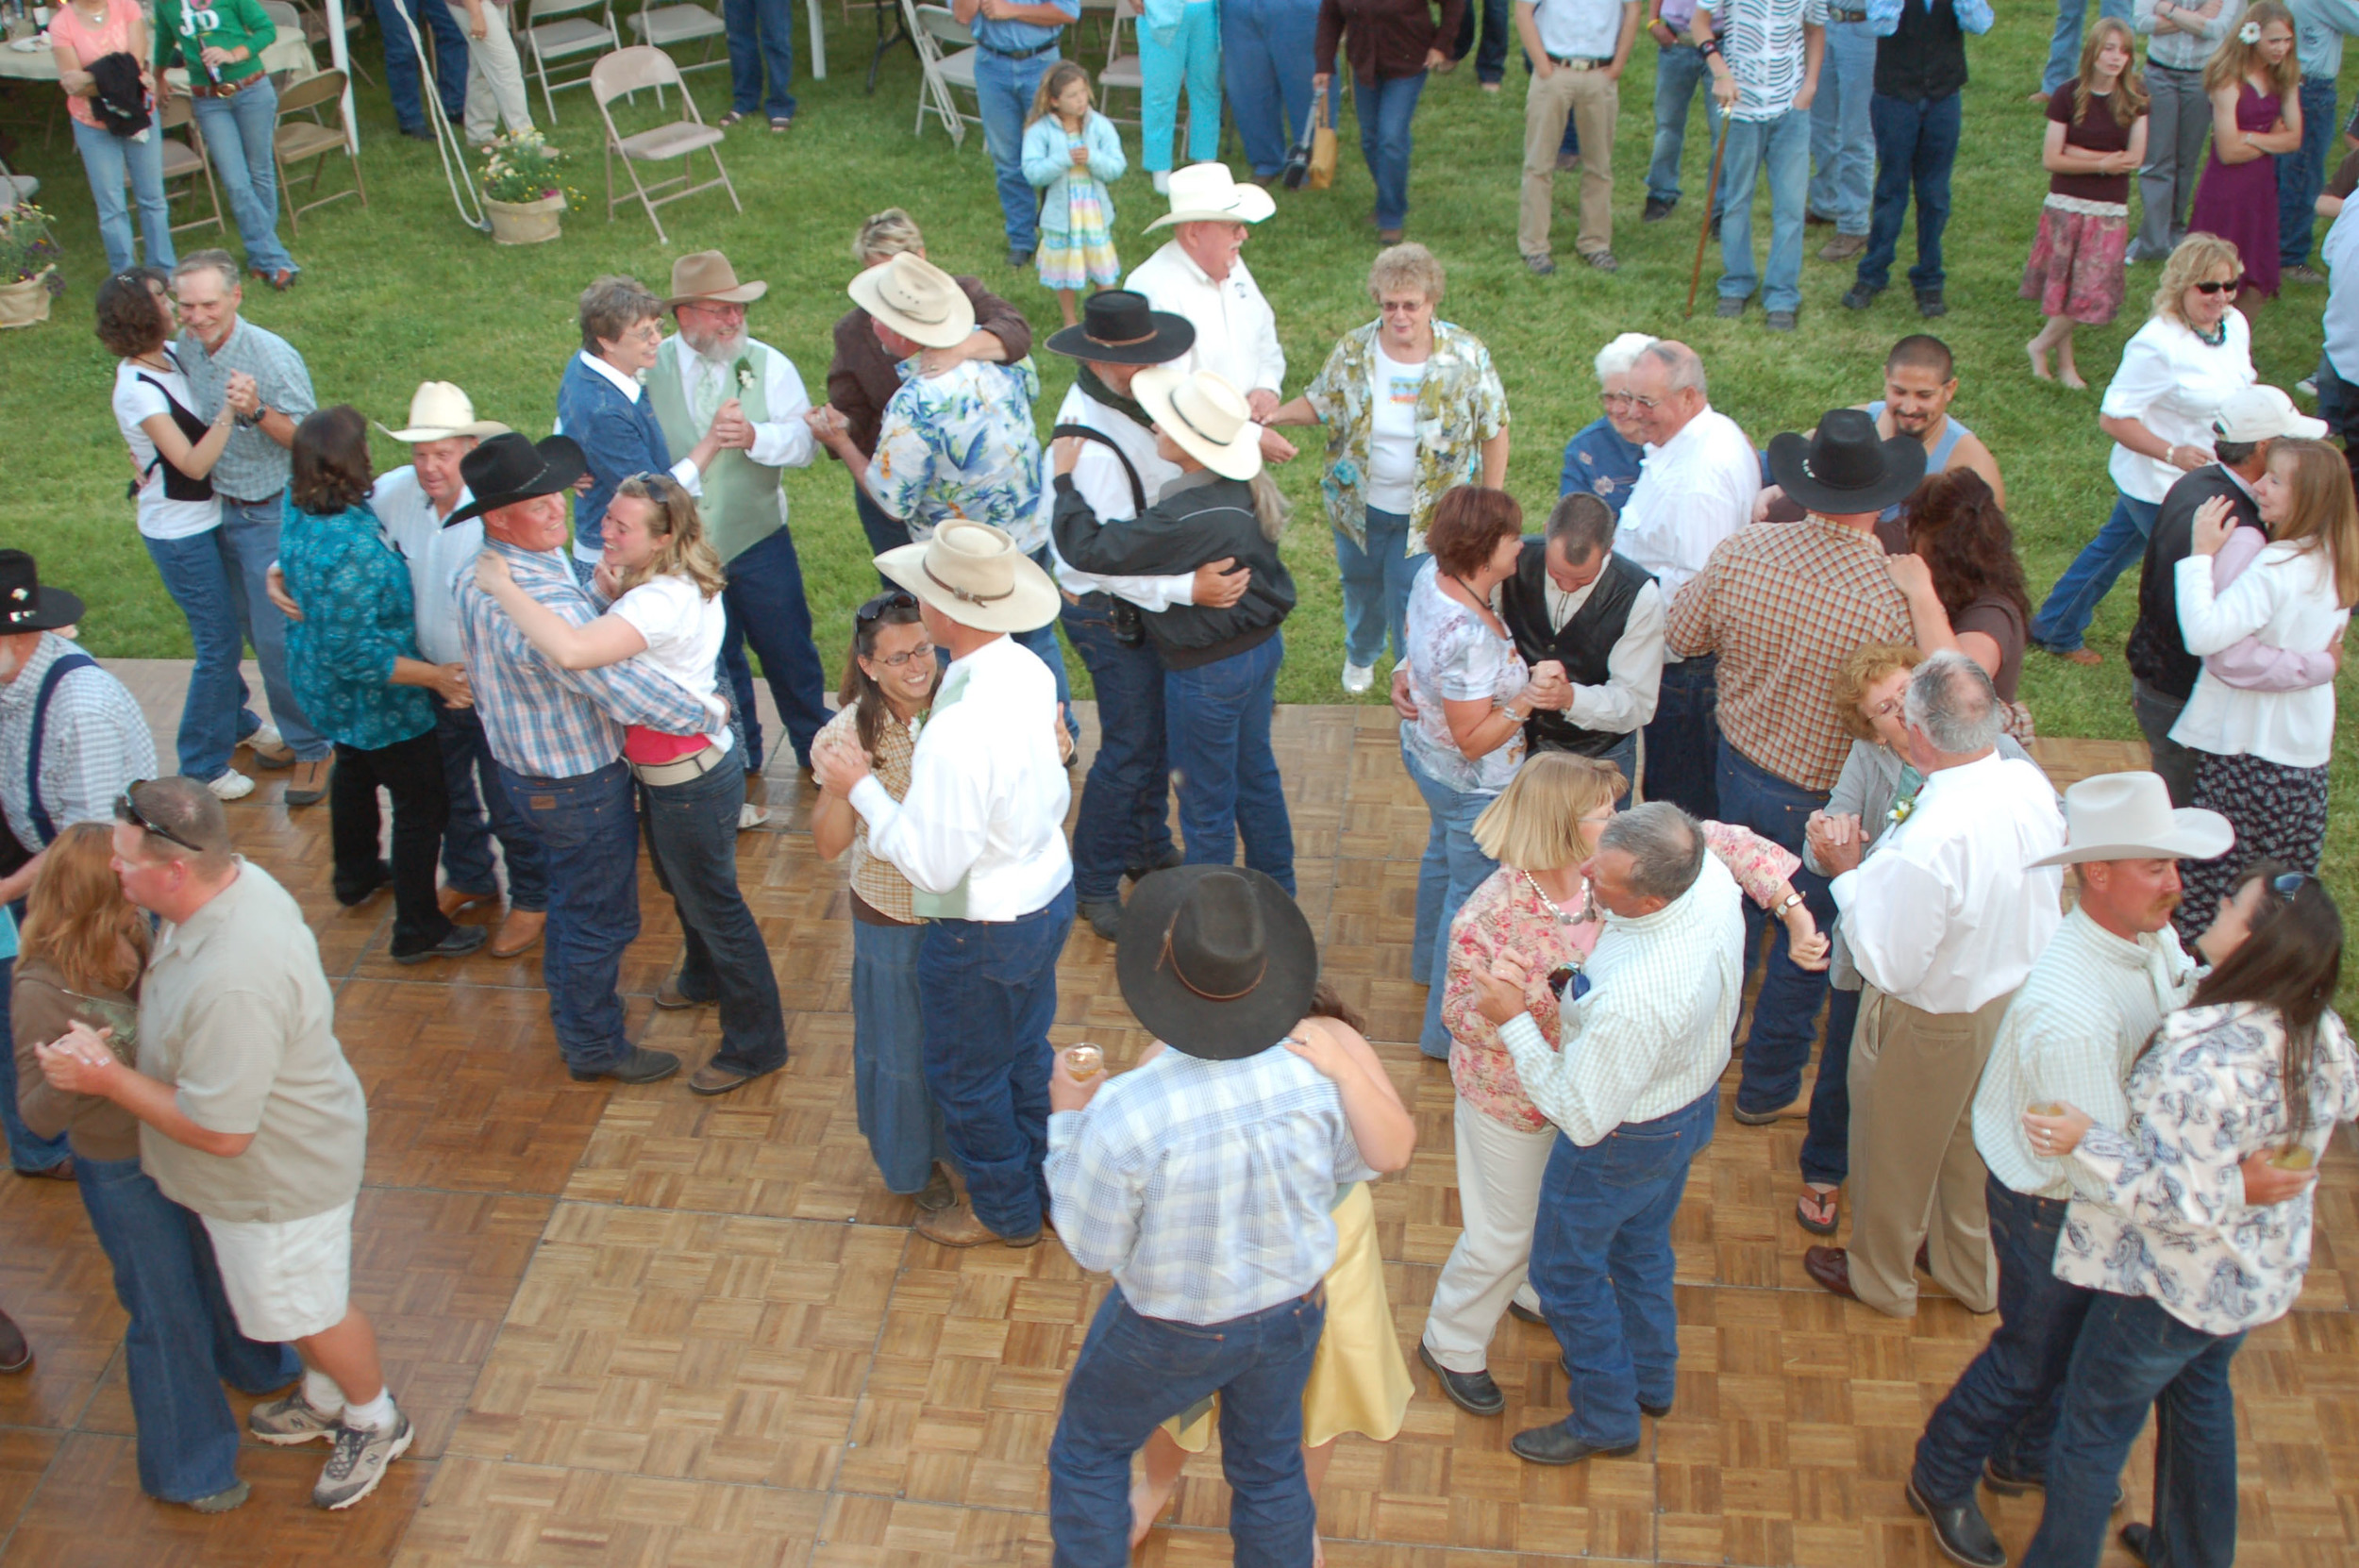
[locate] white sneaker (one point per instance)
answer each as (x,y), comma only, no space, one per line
(231,785)
(267,738)
(2308,387)
(1163,182)
(1358,677)
(749,815)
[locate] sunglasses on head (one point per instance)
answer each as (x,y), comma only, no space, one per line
(127,810)
(2287,886)
(892,599)
(2214,288)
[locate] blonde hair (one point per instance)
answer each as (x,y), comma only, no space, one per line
(2323,517)
(1398,268)
(1535,822)
(76,918)
(890,232)
(2234,60)
(2127,98)
(1052,83)
(2199,255)
(683,550)
(1869,663)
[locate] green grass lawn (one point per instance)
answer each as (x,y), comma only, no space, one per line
(401,291)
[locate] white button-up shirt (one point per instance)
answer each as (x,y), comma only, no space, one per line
(981,830)
(2173,383)
(434,553)
(1633,668)
(1236,332)
(1693,492)
(783,439)
(1098,475)
(1944,917)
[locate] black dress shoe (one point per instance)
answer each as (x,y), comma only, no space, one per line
(2137,1539)
(1471,1391)
(641,1066)
(1962,1533)
(1517,1310)
(1165,861)
(1929,303)
(352,894)
(463,941)
(1859,296)
(1656,209)
(1657,1412)
(2007,1483)
(1553,1445)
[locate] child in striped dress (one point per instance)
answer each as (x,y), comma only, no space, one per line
(1071,154)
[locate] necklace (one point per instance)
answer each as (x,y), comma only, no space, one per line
(1588,910)
(2216,336)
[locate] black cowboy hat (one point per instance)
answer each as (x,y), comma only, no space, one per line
(28,607)
(1215,961)
(1119,328)
(1845,467)
(510,467)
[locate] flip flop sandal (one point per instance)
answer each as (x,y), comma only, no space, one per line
(1817,1212)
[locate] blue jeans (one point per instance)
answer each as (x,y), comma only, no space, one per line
(1043,641)
(1385,107)
(248,537)
(1917,142)
(2302,174)
(1778,151)
(589,836)
(236,133)
(1785,1013)
(2132,1354)
(466,839)
(767,608)
(1601,1263)
(1377,578)
(1683,737)
(1003,96)
(1265,49)
(107,158)
(897,1114)
(1842,137)
(2003,1405)
(1491,54)
(1135,1373)
(402,77)
(2158,714)
(1677,72)
(691,840)
(27,1154)
(2063,621)
(182,1343)
(884,532)
(1191,59)
(1827,1147)
(989,993)
(1454,866)
(2064,49)
(198,576)
(1217,722)
(761,43)
(1125,820)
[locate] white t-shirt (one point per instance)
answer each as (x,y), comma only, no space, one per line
(683,630)
(135,401)
(1393,433)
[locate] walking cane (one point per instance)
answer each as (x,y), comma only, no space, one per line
(1711,197)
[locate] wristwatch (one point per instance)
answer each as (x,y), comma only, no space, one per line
(1788,902)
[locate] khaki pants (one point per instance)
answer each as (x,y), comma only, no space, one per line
(1915,1176)
(495,77)
(1592,99)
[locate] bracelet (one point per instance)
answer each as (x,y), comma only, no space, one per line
(1709,47)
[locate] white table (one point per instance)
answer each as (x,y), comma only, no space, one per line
(291,54)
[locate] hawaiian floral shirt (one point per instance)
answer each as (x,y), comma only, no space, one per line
(2174,1226)
(961,444)
(1460,407)
(1507,912)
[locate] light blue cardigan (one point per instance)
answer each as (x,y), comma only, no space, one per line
(1048,164)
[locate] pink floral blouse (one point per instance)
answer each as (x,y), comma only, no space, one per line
(1506,912)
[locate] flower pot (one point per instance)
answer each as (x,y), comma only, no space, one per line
(25,302)
(526,223)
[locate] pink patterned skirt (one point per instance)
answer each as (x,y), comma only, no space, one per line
(2076,268)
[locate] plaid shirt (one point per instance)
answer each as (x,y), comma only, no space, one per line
(253,467)
(1203,1187)
(1783,605)
(95,742)
(544,721)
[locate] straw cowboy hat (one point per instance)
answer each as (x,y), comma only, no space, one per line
(706,277)
(1207,417)
(440,411)
(1215,961)
(2128,816)
(974,574)
(918,299)
(1208,194)
(1844,468)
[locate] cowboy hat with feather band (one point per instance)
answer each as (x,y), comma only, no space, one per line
(512,468)
(974,574)
(1209,418)
(706,277)
(440,411)
(2128,816)
(28,607)
(918,299)
(1215,961)
(1209,194)
(1844,468)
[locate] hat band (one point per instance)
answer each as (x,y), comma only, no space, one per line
(960,594)
(1201,433)
(1089,337)
(1167,956)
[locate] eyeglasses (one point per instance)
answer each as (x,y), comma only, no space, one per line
(1649,404)
(890,599)
(1402,307)
(2212,287)
(1615,399)
(127,810)
(900,660)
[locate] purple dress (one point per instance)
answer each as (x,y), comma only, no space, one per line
(2239,201)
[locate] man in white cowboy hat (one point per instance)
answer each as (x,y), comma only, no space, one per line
(711,360)
(1200,274)
(980,836)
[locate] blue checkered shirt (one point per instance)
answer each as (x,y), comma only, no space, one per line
(252,467)
(544,721)
(95,742)
(1203,1187)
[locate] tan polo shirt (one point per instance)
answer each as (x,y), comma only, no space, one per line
(235,1015)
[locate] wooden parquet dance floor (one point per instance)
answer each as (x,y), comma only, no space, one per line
(634,1326)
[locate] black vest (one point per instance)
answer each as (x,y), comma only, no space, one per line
(1583,646)
(1925,58)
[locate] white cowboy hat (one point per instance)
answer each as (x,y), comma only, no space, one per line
(1207,416)
(1208,194)
(916,299)
(440,411)
(2128,816)
(974,574)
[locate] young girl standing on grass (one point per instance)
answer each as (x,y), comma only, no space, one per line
(1071,154)
(2254,80)
(2095,141)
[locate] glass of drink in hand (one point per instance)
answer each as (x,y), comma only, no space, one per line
(2292,1156)
(1084,1062)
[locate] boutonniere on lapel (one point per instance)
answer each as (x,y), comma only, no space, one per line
(744,370)
(1902,809)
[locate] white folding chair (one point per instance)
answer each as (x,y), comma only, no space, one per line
(187,159)
(669,25)
(560,29)
(946,56)
(626,71)
(295,141)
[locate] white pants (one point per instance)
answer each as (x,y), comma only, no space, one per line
(1499,1197)
(285,1280)
(496,79)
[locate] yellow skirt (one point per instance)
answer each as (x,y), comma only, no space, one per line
(1359,1378)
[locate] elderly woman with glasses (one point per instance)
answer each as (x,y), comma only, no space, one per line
(1603,457)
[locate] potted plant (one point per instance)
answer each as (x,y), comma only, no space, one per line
(520,191)
(28,270)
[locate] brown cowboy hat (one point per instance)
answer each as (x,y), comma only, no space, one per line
(1216,962)
(706,277)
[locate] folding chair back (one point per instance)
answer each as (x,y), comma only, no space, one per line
(560,29)
(627,70)
(297,141)
(1121,72)
(668,26)
(946,56)
(186,160)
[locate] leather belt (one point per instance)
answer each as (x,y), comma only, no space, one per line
(1578,62)
(223,88)
(694,765)
(1026,54)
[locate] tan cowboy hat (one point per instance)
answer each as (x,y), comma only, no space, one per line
(974,574)
(1208,194)
(707,275)
(1207,416)
(916,299)
(2128,816)
(440,411)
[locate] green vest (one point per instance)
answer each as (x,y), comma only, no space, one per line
(742,504)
